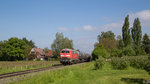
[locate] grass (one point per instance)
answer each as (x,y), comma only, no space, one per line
(7,67)
(85,74)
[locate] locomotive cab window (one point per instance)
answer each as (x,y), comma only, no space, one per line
(62,51)
(67,52)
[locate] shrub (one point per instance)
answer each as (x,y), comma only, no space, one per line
(137,61)
(147,49)
(99,51)
(99,63)
(128,51)
(116,53)
(119,63)
(147,67)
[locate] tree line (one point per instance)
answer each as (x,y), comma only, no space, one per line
(131,43)
(15,49)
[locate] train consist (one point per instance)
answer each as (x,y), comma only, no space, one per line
(69,56)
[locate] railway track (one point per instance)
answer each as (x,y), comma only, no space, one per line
(6,75)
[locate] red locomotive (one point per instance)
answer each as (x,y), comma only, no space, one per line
(69,56)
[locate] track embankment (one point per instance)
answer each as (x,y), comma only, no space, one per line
(6,75)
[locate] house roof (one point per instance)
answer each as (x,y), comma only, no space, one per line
(42,53)
(49,53)
(38,50)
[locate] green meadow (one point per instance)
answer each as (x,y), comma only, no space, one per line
(85,74)
(8,67)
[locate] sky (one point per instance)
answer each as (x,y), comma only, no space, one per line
(79,20)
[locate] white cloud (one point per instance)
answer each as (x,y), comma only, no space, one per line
(63,29)
(84,28)
(116,27)
(88,28)
(112,26)
(85,42)
(144,17)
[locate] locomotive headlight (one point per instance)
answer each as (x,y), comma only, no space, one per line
(62,55)
(68,55)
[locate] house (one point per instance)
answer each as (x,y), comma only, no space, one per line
(49,54)
(40,54)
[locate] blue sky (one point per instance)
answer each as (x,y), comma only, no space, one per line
(79,20)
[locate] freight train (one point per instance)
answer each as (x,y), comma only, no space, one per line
(70,56)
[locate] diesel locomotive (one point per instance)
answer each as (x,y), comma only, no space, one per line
(70,56)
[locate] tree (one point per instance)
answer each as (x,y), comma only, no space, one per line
(120,42)
(14,49)
(109,43)
(107,39)
(60,43)
(108,34)
(2,45)
(31,56)
(99,51)
(27,51)
(30,43)
(126,32)
(137,36)
(46,50)
(146,43)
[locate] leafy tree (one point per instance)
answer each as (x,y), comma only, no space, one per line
(126,32)
(60,43)
(14,49)
(116,53)
(99,51)
(30,43)
(2,45)
(27,51)
(128,51)
(96,44)
(146,43)
(109,44)
(120,42)
(137,35)
(108,34)
(107,39)
(46,50)
(31,56)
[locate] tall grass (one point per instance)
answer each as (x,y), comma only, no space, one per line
(6,67)
(84,74)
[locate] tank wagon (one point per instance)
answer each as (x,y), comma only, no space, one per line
(70,56)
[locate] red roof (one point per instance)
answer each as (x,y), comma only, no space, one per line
(38,50)
(49,53)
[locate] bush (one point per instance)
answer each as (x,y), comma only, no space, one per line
(119,63)
(128,51)
(116,53)
(147,67)
(99,51)
(137,61)
(99,63)
(147,49)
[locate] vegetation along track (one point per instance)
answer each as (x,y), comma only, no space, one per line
(6,75)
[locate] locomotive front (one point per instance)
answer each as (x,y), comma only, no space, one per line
(68,56)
